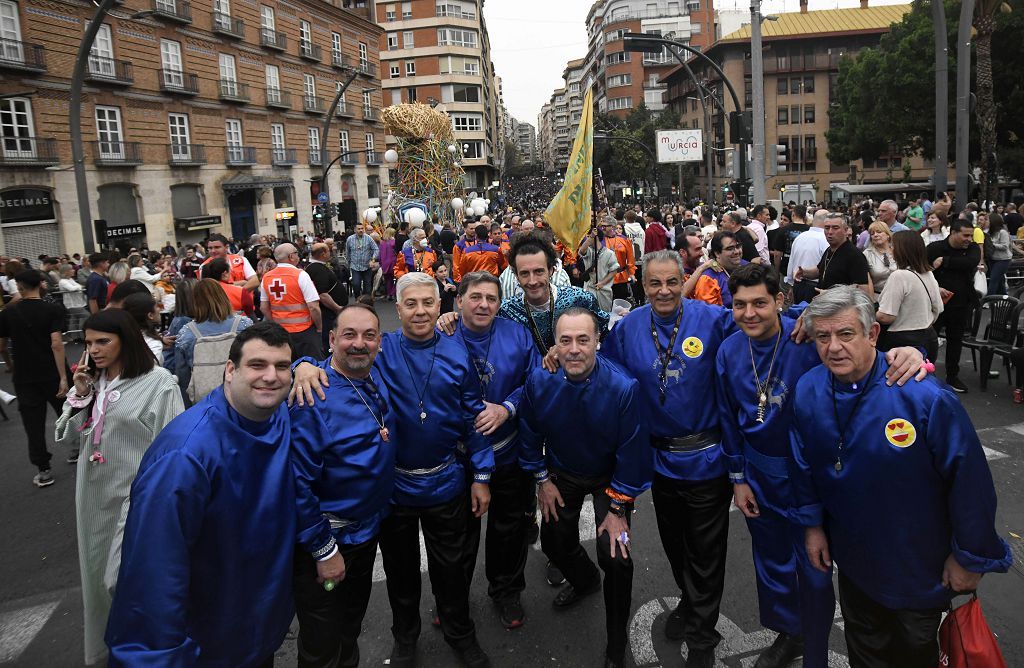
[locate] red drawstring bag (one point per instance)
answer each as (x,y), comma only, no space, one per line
(966,641)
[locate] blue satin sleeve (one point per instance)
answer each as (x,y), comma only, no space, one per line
(531,449)
(478,448)
(960,460)
(807,509)
(532,361)
(309,437)
(147,624)
(634,458)
(728,420)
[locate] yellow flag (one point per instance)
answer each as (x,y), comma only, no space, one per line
(569,212)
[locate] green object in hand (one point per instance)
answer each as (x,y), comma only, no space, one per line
(328,585)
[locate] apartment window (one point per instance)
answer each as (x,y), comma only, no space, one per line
(313,138)
(462,10)
(619,80)
(309,86)
(363,60)
(396,96)
(410,68)
(108,131)
(460,93)
(16,128)
(406,10)
(10,29)
(389,14)
(305,34)
(783,117)
(228,74)
(392,41)
(794,85)
(694,28)
(336,43)
(101,57)
(343,145)
(459,65)
(373,187)
(620,103)
(408,40)
(781,87)
(456,37)
(267,18)
(808,84)
(473,149)
(277,145)
(809,113)
(369,141)
(617,58)
(794,115)
(410,93)
(170,61)
(395,71)
(273,78)
(177,124)
(467,122)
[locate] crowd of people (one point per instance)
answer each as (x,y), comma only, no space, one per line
(247,436)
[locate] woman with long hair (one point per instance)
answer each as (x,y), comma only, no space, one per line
(911,301)
(146,312)
(119,403)
(388,257)
(182,314)
(879,255)
(1002,253)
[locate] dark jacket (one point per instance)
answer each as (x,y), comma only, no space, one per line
(957,271)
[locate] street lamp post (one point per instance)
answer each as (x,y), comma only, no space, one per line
(757,92)
(327,126)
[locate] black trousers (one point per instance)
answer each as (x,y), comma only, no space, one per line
(330,621)
(561,543)
(954,320)
(878,637)
(693,520)
(622,291)
(33,398)
(307,343)
(505,548)
(445,534)
(330,317)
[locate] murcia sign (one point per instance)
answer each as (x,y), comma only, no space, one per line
(680,146)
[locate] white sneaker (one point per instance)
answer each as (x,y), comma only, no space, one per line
(7,397)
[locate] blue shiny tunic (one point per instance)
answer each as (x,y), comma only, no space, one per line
(344,469)
(914,486)
(207,558)
(428,471)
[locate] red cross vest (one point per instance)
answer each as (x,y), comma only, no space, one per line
(236,263)
(287,306)
(234,294)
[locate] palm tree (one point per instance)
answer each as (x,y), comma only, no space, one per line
(985,25)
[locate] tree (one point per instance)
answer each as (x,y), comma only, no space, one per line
(985,25)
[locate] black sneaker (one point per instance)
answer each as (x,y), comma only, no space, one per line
(43,479)
(675,624)
(783,651)
(956,385)
(570,596)
(474,657)
(511,613)
(72,457)
(403,655)
(555,577)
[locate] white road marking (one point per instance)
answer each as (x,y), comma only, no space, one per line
(1016,428)
(992,455)
(18,628)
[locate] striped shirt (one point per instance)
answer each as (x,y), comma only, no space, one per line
(510,284)
(360,252)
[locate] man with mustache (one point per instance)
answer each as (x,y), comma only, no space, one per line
(344,462)
(926,530)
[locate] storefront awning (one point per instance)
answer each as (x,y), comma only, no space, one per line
(197,222)
(247,182)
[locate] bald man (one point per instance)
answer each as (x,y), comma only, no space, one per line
(289,298)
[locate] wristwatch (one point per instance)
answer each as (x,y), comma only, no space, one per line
(618,509)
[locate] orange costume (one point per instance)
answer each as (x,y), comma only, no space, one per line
(284,295)
(240,298)
(235,262)
(481,256)
(413,260)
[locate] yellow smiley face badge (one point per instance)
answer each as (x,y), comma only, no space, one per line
(692,347)
(900,432)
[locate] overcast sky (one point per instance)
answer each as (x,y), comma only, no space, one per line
(532,40)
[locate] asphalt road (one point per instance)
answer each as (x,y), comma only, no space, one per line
(40,599)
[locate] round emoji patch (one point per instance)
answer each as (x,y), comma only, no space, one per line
(692,347)
(900,432)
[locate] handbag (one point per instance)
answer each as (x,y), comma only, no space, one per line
(980,283)
(966,641)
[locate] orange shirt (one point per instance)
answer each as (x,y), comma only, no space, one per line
(623,248)
(707,290)
(235,262)
(411,260)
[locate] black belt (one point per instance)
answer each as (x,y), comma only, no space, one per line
(691,443)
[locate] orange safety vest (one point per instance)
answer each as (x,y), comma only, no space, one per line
(234,293)
(235,262)
(287,305)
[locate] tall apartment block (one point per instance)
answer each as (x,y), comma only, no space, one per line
(198,116)
(438,52)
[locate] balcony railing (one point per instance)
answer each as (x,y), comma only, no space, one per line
(314,157)
(283,157)
(373,158)
(366,68)
(116,153)
(239,156)
(233,91)
(176,81)
(350,158)
(186,155)
(273,39)
(344,111)
(338,59)
(371,115)
(17,55)
(310,51)
(179,11)
(279,99)
(107,70)
(28,152)
(312,104)
(807,63)
(225,24)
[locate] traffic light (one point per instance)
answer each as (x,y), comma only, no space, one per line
(741,127)
(318,216)
(777,159)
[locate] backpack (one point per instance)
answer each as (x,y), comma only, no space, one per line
(209,355)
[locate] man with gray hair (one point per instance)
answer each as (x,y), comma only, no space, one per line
(887,211)
(289,298)
(917,452)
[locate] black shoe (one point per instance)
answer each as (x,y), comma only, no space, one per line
(474,656)
(700,658)
(609,662)
(569,597)
(675,624)
(511,613)
(956,385)
(782,652)
(555,577)
(403,655)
